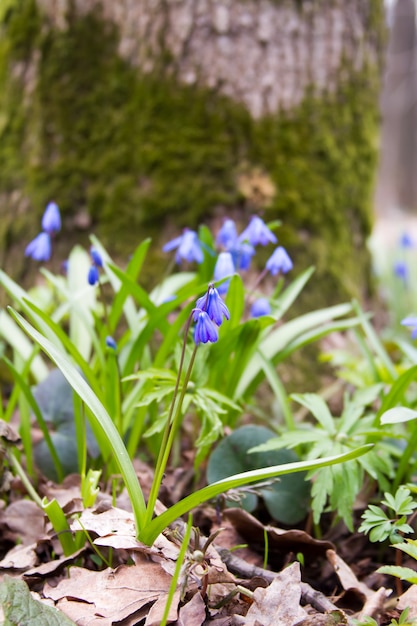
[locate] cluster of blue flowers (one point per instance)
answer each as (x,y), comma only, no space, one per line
(40,248)
(209,313)
(236,252)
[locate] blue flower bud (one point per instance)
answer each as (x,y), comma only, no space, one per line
(93,275)
(110,343)
(401,270)
(260,307)
(279,261)
(51,220)
(224,267)
(39,248)
(96,257)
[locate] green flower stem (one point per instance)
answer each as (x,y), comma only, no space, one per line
(178,566)
(170,430)
(25,480)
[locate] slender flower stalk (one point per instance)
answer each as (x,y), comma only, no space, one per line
(209,308)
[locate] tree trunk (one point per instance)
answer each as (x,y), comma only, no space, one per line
(397,180)
(136,111)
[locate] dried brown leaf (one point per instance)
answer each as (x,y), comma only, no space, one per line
(279,603)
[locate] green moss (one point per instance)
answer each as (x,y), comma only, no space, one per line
(134,150)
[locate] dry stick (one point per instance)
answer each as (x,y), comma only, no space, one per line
(246,570)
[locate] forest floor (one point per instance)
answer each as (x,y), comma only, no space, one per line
(251,573)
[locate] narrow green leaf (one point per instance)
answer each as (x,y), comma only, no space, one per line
(157,525)
(405,573)
(100,420)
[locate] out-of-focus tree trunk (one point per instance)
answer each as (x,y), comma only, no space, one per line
(397,180)
(130,112)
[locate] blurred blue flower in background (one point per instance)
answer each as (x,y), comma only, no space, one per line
(412,323)
(227,235)
(188,247)
(242,255)
(257,232)
(40,248)
(97,262)
(224,267)
(279,261)
(96,257)
(110,343)
(406,241)
(93,275)
(401,270)
(260,307)
(51,220)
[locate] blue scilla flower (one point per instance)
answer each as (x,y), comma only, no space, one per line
(224,267)
(260,307)
(412,323)
(188,247)
(51,220)
(110,343)
(242,255)
(227,235)
(406,241)
(40,248)
(93,275)
(205,330)
(401,270)
(96,257)
(279,261)
(257,232)
(213,305)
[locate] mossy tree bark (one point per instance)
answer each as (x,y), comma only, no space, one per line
(127,113)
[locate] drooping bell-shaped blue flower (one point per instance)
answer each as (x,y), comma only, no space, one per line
(227,235)
(260,307)
(205,330)
(224,267)
(40,248)
(411,322)
(51,220)
(243,254)
(188,247)
(257,232)
(213,305)
(279,261)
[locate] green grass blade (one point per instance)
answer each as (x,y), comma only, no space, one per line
(157,525)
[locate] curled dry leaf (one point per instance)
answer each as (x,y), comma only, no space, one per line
(279,603)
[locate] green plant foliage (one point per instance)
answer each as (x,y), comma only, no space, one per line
(380,526)
(286,500)
(19,607)
(339,485)
(131,148)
